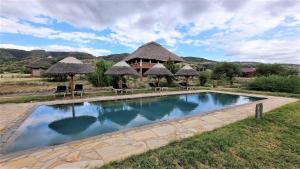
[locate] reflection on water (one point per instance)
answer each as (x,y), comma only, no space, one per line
(56,124)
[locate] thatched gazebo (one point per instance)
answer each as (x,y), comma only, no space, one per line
(148,55)
(121,69)
(70,66)
(159,71)
(187,71)
(39,66)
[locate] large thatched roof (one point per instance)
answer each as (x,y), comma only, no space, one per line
(155,51)
(70,65)
(187,70)
(158,70)
(41,63)
(121,68)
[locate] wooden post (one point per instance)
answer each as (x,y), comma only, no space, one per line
(187,80)
(71,84)
(258,110)
(141,69)
(158,80)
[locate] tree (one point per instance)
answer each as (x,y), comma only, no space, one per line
(170,64)
(98,78)
(226,70)
(274,69)
(204,76)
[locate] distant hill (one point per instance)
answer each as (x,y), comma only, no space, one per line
(14,60)
(115,57)
(196,59)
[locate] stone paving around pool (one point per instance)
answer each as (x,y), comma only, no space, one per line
(102,149)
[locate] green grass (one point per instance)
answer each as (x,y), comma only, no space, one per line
(272,142)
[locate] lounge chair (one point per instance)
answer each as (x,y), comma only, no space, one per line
(126,89)
(117,89)
(185,86)
(61,89)
(157,88)
(78,89)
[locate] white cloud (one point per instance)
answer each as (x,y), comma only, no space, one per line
(63,48)
(133,22)
(17,27)
(268,51)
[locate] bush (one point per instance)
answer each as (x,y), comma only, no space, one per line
(170,65)
(98,78)
(274,69)
(226,70)
(273,83)
(204,77)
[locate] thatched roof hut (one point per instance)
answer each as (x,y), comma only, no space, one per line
(70,65)
(153,51)
(187,70)
(121,69)
(158,70)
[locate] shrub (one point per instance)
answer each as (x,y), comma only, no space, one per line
(273,83)
(98,78)
(170,65)
(274,69)
(226,70)
(204,77)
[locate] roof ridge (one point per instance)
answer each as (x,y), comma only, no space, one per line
(151,42)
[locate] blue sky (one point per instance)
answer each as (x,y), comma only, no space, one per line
(225,30)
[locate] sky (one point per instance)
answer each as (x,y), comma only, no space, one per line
(224,30)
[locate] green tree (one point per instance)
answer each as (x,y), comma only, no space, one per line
(226,70)
(170,64)
(274,69)
(98,78)
(204,76)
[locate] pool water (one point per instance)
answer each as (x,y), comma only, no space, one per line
(57,124)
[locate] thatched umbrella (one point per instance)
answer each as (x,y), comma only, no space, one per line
(121,69)
(70,66)
(159,71)
(187,71)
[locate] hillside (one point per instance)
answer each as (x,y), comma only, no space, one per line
(196,59)
(115,57)
(14,60)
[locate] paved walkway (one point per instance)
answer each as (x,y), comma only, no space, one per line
(99,150)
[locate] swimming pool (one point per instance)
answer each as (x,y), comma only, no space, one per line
(57,124)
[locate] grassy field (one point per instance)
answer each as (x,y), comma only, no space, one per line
(272,142)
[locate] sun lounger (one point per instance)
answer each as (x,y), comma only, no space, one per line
(185,86)
(157,88)
(126,89)
(61,89)
(117,89)
(78,89)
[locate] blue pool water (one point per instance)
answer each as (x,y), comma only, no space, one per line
(57,124)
